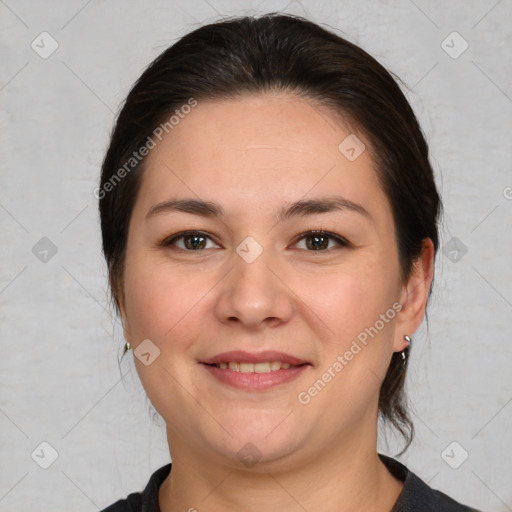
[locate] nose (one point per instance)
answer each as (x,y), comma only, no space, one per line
(254,294)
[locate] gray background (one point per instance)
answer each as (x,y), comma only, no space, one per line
(60,381)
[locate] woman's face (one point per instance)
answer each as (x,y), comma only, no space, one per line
(249,276)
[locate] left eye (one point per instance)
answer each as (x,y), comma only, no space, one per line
(319,240)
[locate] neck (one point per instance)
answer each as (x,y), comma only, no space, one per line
(349,477)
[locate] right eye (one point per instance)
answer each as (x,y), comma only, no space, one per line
(188,241)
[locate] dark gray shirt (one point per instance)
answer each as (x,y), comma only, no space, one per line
(416,495)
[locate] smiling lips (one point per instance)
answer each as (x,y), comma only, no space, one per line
(265,367)
(256,371)
(239,360)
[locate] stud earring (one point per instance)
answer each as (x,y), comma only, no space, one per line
(404,355)
(127,346)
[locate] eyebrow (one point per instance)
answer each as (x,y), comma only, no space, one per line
(300,208)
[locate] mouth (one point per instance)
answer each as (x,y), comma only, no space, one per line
(263,367)
(255,371)
(243,359)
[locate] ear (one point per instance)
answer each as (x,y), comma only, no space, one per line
(414,295)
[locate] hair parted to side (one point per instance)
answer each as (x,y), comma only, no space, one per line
(281,53)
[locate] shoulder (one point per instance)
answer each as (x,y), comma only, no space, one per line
(417,496)
(132,503)
(145,501)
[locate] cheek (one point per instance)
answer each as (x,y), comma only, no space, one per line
(351,299)
(161,305)
(155,298)
(358,308)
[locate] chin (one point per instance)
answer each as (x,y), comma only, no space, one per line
(259,447)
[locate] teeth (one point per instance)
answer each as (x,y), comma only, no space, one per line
(265,367)
(262,367)
(246,367)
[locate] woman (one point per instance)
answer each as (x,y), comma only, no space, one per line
(269,219)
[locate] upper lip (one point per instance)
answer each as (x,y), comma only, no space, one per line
(240,356)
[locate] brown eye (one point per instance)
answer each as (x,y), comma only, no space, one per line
(319,240)
(194,242)
(189,241)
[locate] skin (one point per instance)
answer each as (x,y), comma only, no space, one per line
(253,155)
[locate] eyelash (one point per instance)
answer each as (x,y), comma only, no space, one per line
(342,243)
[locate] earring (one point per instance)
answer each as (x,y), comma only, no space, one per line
(404,356)
(127,346)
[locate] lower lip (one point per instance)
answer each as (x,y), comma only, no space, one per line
(255,381)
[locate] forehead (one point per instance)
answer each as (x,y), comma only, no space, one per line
(257,149)
(270,126)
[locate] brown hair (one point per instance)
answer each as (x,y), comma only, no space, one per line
(280,53)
